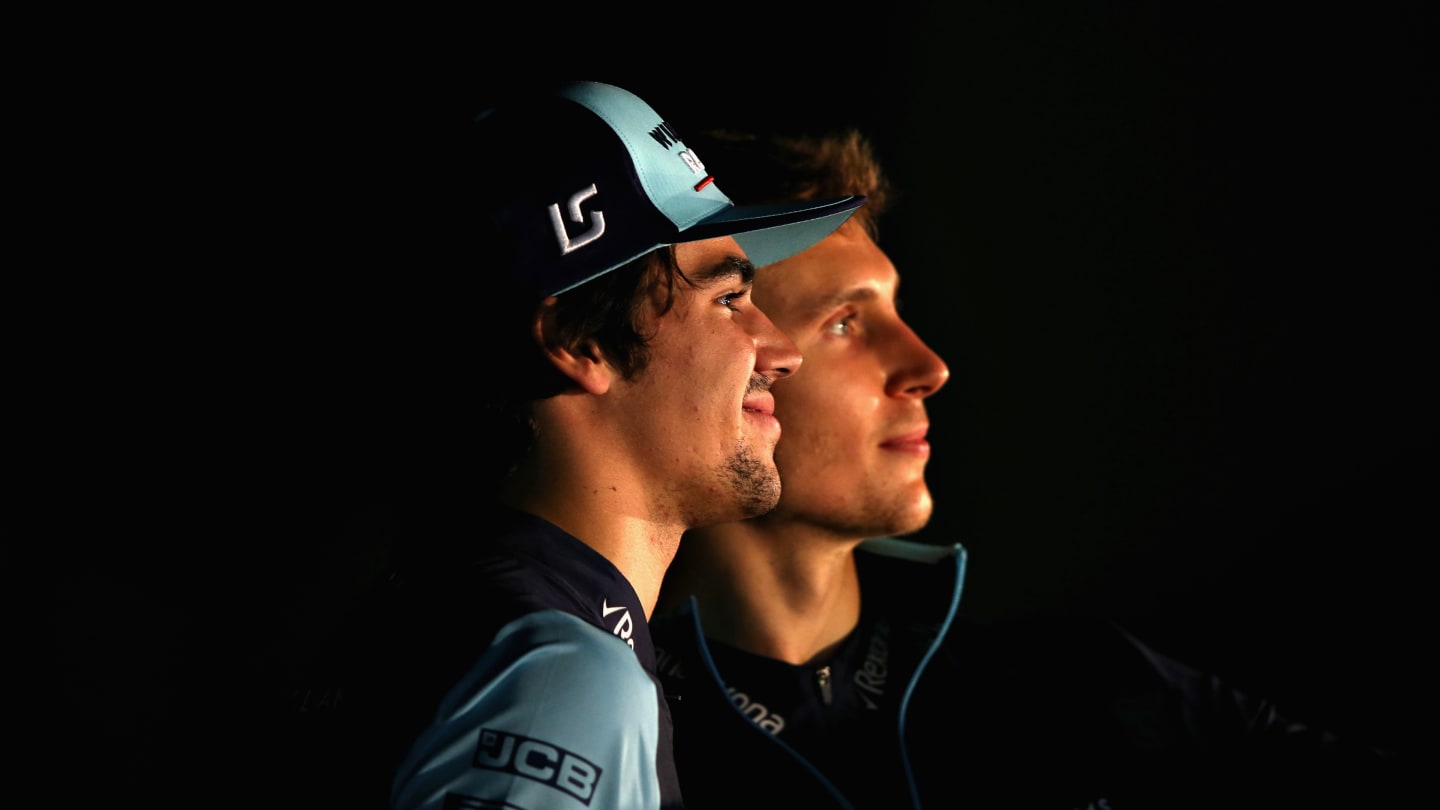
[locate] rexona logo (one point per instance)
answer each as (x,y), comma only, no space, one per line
(758,713)
(871,677)
(538,760)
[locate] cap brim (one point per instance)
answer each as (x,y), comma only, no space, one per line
(770,233)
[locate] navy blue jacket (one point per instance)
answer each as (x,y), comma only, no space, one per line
(921,709)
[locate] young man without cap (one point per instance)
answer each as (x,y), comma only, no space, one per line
(813,659)
(512,665)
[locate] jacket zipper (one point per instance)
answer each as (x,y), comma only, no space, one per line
(822,677)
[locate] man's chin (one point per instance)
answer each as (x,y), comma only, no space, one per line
(905,529)
(755,482)
(896,520)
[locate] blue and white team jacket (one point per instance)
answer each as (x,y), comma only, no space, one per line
(516,672)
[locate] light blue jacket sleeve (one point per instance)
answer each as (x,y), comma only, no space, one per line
(557,714)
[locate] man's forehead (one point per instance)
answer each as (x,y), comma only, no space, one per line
(824,287)
(712,260)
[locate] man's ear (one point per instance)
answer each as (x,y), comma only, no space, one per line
(584,364)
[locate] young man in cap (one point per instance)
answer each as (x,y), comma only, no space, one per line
(632,403)
(814,659)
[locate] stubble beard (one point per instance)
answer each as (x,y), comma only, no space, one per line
(871,513)
(884,512)
(753,479)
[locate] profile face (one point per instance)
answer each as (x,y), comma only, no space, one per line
(702,407)
(854,453)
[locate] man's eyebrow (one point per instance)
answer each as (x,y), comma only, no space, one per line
(729,267)
(823,306)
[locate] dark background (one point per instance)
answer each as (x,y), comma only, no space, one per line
(1180,258)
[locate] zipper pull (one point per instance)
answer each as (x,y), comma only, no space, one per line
(822,677)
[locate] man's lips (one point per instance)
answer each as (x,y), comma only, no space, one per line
(760,403)
(912,441)
(759,408)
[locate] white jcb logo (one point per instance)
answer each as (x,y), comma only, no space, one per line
(576,216)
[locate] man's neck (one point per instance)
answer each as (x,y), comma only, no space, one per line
(620,528)
(784,591)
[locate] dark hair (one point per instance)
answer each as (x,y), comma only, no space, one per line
(755,169)
(611,310)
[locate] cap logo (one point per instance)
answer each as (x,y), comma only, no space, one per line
(597,227)
(664,135)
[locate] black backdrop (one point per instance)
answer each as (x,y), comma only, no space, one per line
(1180,258)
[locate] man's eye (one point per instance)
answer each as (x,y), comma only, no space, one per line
(841,327)
(732,299)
